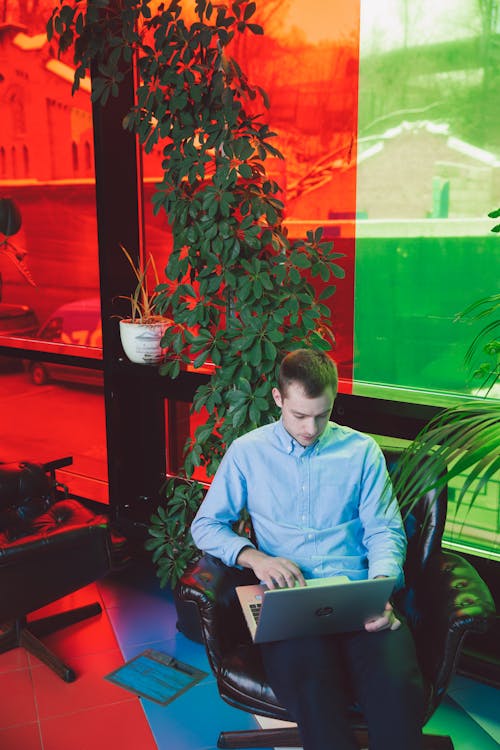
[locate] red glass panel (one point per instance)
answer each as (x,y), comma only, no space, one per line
(49,266)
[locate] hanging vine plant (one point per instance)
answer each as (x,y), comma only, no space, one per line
(241,293)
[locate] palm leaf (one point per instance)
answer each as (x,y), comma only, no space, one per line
(464,438)
(487,336)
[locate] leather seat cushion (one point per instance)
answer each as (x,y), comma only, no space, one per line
(63,517)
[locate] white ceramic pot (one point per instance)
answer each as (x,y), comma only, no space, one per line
(141,341)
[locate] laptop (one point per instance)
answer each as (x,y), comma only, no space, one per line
(323,606)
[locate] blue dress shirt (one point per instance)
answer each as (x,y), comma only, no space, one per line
(327,506)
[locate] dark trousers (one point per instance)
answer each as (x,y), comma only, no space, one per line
(316,678)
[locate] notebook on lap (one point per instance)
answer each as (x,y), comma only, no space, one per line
(323,606)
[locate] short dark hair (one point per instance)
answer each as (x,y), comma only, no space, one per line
(313,369)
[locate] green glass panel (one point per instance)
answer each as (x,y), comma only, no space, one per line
(408,293)
(428,174)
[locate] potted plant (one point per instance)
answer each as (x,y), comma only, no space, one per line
(141,333)
(240,292)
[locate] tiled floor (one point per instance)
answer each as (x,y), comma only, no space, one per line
(38,711)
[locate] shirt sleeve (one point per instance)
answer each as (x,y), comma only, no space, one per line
(383,531)
(227,496)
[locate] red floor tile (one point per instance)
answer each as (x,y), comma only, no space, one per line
(91,635)
(16,658)
(17,705)
(23,737)
(85,595)
(122,725)
(55,697)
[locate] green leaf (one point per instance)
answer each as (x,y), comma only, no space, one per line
(245,171)
(255,354)
(254,412)
(270,350)
(255,28)
(300,260)
(249,11)
(324,272)
(201,359)
(327,292)
(239,415)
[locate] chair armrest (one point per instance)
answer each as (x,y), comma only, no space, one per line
(210,585)
(451,600)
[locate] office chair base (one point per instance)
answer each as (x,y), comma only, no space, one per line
(289,737)
(277,737)
(285,737)
(26,635)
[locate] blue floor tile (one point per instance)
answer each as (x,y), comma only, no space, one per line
(451,719)
(482,703)
(136,584)
(193,721)
(154,620)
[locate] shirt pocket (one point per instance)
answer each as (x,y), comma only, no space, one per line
(337,502)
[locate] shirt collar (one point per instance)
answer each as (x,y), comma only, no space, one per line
(291,445)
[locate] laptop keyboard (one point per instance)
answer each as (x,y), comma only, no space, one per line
(255,610)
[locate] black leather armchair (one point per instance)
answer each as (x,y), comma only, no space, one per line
(444,600)
(50,546)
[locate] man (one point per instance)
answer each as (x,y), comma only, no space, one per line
(318,498)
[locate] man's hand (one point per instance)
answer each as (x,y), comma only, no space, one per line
(275,572)
(386,621)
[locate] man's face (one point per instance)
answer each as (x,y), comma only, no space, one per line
(304,418)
